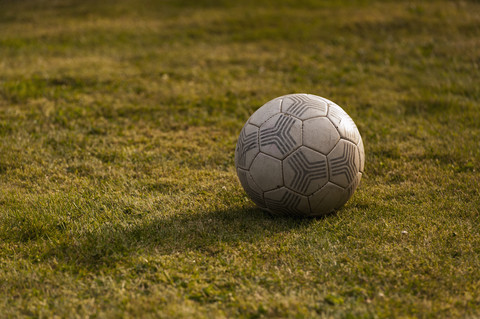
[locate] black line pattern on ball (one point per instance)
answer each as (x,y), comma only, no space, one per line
(344,123)
(246,142)
(301,104)
(353,186)
(279,135)
(336,113)
(345,164)
(287,205)
(306,171)
(255,196)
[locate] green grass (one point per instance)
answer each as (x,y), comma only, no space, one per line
(118,194)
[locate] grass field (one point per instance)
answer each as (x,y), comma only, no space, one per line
(118,193)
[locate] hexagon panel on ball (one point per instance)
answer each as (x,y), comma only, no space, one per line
(344,163)
(280,135)
(305,171)
(304,106)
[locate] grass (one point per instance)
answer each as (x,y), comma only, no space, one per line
(118,123)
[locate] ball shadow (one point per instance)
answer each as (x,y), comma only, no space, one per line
(206,231)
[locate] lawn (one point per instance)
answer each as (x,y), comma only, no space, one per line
(118,192)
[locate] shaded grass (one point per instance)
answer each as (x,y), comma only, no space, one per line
(118,123)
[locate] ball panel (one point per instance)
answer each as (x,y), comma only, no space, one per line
(320,134)
(251,188)
(285,202)
(350,189)
(343,163)
(267,173)
(335,114)
(320,99)
(247,146)
(344,123)
(265,112)
(304,106)
(305,171)
(327,199)
(280,135)
(361,151)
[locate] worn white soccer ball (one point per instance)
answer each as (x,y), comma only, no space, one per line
(300,154)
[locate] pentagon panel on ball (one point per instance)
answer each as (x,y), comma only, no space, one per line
(300,155)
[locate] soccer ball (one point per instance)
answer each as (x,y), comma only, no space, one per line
(300,154)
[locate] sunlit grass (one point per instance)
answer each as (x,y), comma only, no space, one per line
(118,123)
